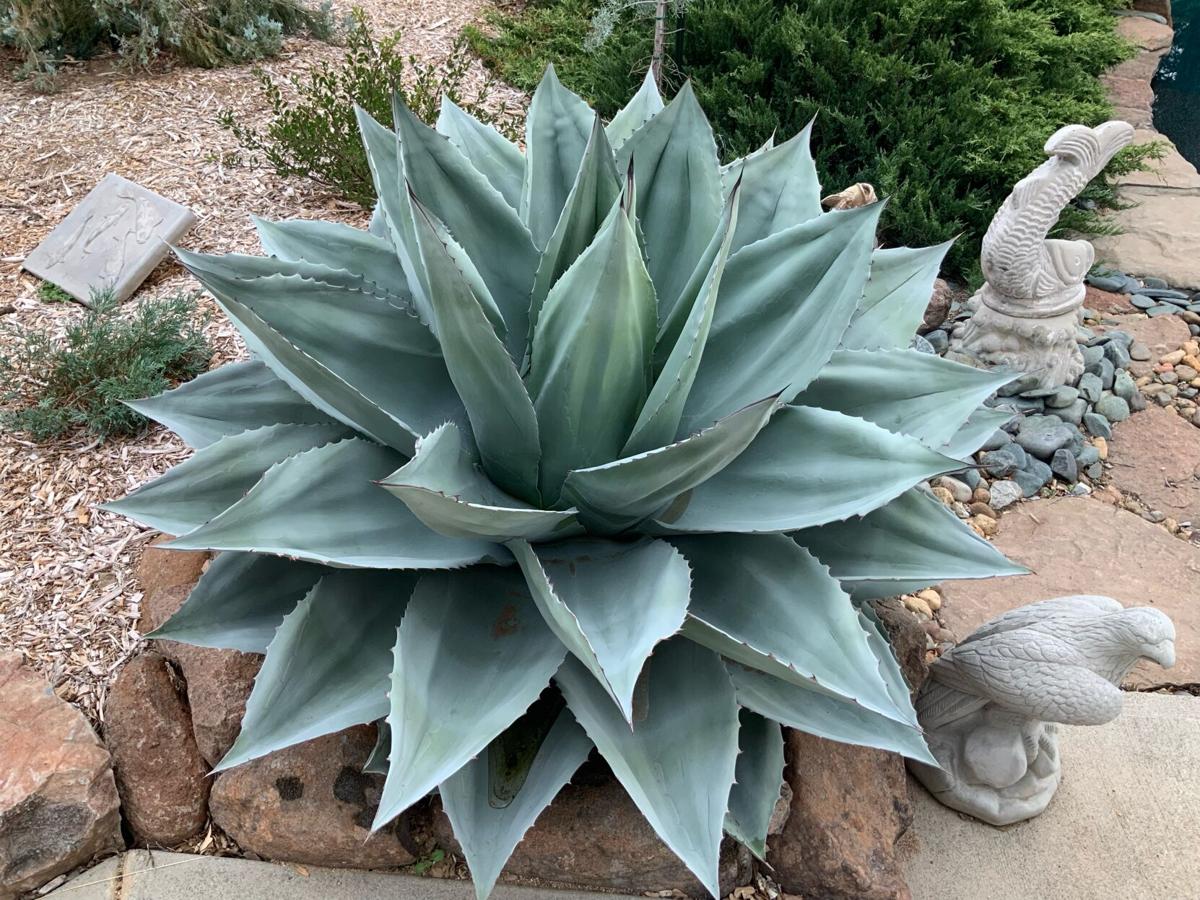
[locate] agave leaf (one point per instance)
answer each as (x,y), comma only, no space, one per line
(444,488)
(783,305)
(327,667)
(779,188)
(610,604)
(476,215)
(392,209)
(596,188)
(644,106)
(815,713)
(758,782)
(881,648)
(490,152)
(980,426)
(239,601)
(911,393)
(589,369)
(321,506)
(377,763)
(767,603)
(808,466)
(556,135)
(658,423)
(736,165)
(471,656)
(337,246)
(502,417)
(489,830)
(358,365)
(628,490)
(912,539)
(677,763)
(897,293)
(679,191)
(233,398)
(215,478)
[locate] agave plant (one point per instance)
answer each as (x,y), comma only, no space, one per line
(598,445)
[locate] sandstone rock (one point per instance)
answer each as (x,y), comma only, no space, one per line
(1145,34)
(1159,233)
(593,836)
(1106,301)
(58,800)
(218,685)
(907,637)
(1159,7)
(939,305)
(1082,545)
(849,806)
(1172,171)
(159,569)
(1155,456)
(312,804)
(160,775)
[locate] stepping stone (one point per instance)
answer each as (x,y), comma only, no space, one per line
(1081,545)
(111,241)
(1155,455)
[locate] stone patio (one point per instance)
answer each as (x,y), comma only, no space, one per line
(1155,456)
(1080,545)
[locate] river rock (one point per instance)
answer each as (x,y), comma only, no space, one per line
(849,806)
(1004,493)
(1097,425)
(1003,462)
(1033,476)
(312,803)
(58,800)
(1090,387)
(1113,408)
(1043,435)
(160,775)
(1064,466)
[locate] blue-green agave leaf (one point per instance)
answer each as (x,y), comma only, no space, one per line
(327,667)
(498,406)
(215,478)
(677,762)
(644,106)
(812,712)
(377,763)
(322,506)
(637,487)
(758,782)
(767,603)
(471,656)
(233,398)
(595,190)
(783,305)
(904,391)
(445,489)
(658,423)
(239,601)
(808,466)
(337,246)
(589,370)
(896,296)
(556,135)
(980,426)
(610,604)
(477,217)
(881,648)
(779,188)
(913,539)
(488,828)
(495,156)
(678,189)
(352,354)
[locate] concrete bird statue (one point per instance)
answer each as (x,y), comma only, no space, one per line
(990,704)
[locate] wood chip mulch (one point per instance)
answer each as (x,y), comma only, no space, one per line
(68,600)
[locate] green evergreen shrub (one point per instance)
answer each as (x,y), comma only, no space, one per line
(56,385)
(941,104)
(316,134)
(208,34)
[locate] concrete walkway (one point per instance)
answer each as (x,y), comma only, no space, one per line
(1125,822)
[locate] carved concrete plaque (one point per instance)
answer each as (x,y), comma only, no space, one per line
(110,241)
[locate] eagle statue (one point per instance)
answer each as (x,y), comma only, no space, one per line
(991,704)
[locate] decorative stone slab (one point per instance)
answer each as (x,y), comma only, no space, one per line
(111,241)
(1155,455)
(1080,545)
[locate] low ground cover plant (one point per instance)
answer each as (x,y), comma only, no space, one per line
(942,105)
(54,386)
(47,33)
(312,132)
(597,445)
